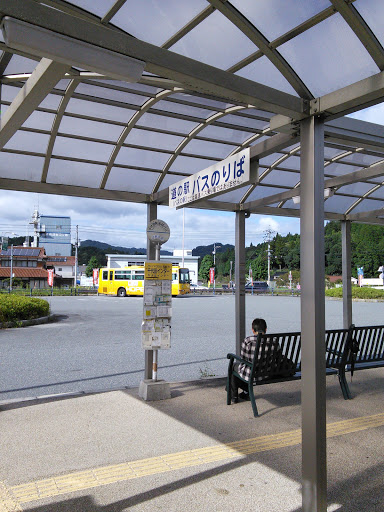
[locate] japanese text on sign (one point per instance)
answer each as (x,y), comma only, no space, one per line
(221,177)
(154,270)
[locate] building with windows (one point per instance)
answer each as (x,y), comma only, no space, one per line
(55,235)
(64,269)
(27,264)
(126,260)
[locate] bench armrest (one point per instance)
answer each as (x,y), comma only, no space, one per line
(239,359)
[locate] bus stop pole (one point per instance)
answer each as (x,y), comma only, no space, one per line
(151,215)
(155,352)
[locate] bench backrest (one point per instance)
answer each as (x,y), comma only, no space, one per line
(274,350)
(275,355)
(370,342)
(337,342)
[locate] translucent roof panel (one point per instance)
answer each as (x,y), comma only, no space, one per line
(142,158)
(197,44)
(248,121)
(209,149)
(131,180)
(99,110)
(19,64)
(111,94)
(231,135)
(75,173)
(153,139)
(155,22)
(179,108)
(181,117)
(191,165)
(367,205)
(28,141)
(40,120)
(373,14)
(20,167)
(167,123)
(378,194)
(276,17)
(263,71)
(261,191)
(91,129)
(98,7)
(319,54)
(83,149)
(355,188)
(288,179)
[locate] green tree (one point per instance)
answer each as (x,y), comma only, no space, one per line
(92,263)
(205,265)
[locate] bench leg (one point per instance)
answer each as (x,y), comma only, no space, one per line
(229,390)
(344,384)
(253,401)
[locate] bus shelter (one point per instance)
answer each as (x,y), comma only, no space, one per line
(121,100)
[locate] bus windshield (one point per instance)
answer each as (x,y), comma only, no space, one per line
(184,276)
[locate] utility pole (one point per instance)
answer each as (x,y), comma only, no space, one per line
(214,265)
(269,263)
(76,246)
(10,279)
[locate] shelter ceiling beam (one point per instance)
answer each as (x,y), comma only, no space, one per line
(361,29)
(192,74)
(43,79)
(366,216)
(354,97)
(72,190)
(339,181)
(356,133)
(272,145)
(230,12)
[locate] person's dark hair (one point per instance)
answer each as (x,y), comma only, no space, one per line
(259,325)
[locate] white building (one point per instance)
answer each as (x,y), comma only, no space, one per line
(126,260)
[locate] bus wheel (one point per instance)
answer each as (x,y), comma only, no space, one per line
(121,292)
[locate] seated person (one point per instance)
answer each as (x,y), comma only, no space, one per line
(269,352)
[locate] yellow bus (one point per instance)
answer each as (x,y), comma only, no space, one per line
(130,281)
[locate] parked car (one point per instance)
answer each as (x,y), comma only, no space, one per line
(259,286)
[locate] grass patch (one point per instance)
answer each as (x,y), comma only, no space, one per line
(357,293)
(15,308)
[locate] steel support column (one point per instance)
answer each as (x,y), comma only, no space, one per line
(314,456)
(151,254)
(240,279)
(346,270)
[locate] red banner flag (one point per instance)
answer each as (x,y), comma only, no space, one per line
(50,277)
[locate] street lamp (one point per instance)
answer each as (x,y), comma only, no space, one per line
(214,265)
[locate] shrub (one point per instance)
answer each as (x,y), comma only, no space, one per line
(357,293)
(14,308)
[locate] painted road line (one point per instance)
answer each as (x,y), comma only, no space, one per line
(82,480)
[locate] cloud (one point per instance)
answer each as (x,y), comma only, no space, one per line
(124,224)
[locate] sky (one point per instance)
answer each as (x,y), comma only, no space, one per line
(124,224)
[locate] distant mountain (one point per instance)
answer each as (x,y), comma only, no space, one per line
(202,250)
(117,249)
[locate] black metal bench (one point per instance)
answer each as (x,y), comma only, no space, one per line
(267,367)
(367,352)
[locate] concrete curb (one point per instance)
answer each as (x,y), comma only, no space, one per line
(32,321)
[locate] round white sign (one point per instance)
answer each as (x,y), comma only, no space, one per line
(158,231)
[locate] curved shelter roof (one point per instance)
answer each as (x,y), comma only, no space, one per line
(218,77)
